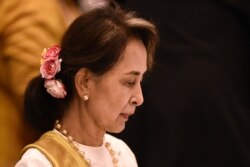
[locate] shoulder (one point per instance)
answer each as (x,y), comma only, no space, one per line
(126,156)
(33,158)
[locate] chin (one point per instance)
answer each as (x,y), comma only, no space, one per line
(116,129)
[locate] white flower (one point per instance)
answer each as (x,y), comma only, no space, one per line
(55,88)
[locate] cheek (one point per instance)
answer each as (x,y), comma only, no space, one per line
(112,102)
(106,110)
(115,102)
(109,99)
(118,97)
(113,93)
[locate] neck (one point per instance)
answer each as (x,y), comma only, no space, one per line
(81,137)
(88,161)
(81,127)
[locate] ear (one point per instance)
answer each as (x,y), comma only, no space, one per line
(81,81)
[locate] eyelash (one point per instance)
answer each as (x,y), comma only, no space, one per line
(130,83)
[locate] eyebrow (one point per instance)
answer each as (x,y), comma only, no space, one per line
(136,73)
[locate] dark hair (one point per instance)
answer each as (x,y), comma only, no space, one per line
(95,40)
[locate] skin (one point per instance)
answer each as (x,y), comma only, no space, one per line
(113,97)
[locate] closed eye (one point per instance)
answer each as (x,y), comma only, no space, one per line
(130,83)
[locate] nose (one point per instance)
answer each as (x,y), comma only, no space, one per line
(137,99)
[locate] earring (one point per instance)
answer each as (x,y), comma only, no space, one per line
(85,97)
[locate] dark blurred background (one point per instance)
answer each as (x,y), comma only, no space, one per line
(196,109)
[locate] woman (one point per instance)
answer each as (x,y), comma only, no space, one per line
(89,86)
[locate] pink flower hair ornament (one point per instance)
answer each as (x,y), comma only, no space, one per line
(50,66)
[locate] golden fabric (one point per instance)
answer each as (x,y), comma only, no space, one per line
(27,26)
(58,150)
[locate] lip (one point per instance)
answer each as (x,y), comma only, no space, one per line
(126,115)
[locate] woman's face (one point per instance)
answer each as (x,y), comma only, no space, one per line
(114,96)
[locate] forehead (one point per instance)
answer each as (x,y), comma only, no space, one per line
(133,58)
